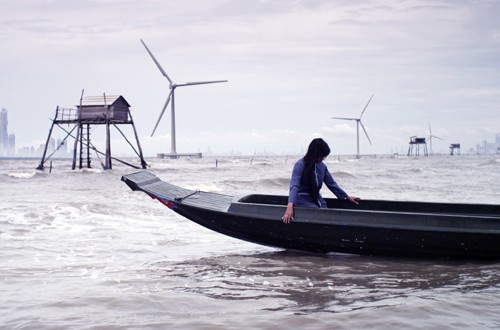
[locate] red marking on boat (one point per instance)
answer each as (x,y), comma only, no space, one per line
(167,203)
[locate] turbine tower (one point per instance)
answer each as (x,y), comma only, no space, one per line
(171,98)
(358,123)
(431,136)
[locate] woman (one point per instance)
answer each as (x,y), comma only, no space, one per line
(308,176)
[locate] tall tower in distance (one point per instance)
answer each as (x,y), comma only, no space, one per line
(4,135)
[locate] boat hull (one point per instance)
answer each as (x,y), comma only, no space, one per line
(341,238)
(373,228)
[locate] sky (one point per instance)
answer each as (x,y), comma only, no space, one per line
(291,66)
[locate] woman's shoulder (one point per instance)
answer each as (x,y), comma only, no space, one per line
(321,166)
(299,164)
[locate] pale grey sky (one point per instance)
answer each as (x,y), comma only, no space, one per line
(291,66)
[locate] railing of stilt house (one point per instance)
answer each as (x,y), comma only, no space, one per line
(66,114)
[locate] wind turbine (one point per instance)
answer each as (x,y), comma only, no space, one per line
(171,97)
(432,136)
(358,122)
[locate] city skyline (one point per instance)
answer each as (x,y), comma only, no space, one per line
(7,141)
(481,147)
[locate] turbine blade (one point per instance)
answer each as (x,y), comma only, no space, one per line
(366,133)
(430,131)
(201,83)
(342,118)
(156,62)
(437,137)
(162,111)
(366,106)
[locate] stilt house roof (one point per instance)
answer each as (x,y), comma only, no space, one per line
(102,101)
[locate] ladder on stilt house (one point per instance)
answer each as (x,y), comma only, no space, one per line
(85,146)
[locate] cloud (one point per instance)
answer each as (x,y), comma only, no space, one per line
(291,66)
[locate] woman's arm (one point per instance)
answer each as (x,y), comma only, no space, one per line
(288,213)
(298,168)
(335,188)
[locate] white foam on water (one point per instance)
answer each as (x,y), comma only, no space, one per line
(22,175)
(209,187)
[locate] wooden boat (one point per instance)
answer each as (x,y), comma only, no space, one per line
(374,227)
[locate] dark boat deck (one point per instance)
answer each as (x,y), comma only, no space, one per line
(153,186)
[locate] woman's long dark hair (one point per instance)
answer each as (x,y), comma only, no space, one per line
(317,151)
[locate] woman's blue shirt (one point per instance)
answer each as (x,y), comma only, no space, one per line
(299,191)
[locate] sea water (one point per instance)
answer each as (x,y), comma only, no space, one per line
(80,250)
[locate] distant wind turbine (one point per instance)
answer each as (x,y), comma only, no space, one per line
(171,96)
(431,136)
(358,122)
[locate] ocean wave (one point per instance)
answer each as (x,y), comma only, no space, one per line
(262,163)
(275,182)
(264,183)
(158,166)
(22,175)
(495,161)
(342,174)
(236,183)
(210,187)
(89,170)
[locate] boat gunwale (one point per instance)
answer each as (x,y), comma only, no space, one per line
(462,215)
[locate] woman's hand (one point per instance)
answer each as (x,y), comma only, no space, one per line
(353,199)
(288,213)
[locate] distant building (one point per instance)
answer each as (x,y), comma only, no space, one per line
(62,148)
(39,151)
(486,147)
(7,141)
(11,148)
(4,135)
(25,151)
(52,146)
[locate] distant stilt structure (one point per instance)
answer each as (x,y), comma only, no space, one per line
(94,110)
(453,147)
(414,146)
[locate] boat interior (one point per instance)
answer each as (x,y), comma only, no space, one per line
(488,210)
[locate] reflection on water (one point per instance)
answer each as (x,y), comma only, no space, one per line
(304,283)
